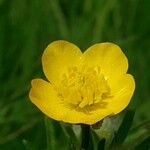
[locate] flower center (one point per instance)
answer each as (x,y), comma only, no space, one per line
(83,87)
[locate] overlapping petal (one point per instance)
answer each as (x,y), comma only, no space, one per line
(57,57)
(122,91)
(109,57)
(45,98)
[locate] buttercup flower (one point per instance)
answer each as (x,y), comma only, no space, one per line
(83,87)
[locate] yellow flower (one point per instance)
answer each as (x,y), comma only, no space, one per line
(83,87)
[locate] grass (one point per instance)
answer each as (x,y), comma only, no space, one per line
(27,27)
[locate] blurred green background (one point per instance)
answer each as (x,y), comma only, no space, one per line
(28,26)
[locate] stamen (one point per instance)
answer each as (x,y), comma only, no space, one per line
(83,87)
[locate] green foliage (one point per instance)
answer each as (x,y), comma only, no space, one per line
(27,27)
(122,132)
(62,136)
(56,136)
(101,144)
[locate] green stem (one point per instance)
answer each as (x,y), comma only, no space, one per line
(85,136)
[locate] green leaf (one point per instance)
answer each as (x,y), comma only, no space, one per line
(123,129)
(137,135)
(108,127)
(94,139)
(73,133)
(101,144)
(56,137)
(144,145)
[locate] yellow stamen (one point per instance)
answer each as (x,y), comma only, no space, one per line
(83,87)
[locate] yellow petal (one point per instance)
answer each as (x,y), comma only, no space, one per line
(45,98)
(108,57)
(122,92)
(57,57)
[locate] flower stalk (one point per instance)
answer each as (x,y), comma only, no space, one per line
(85,136)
